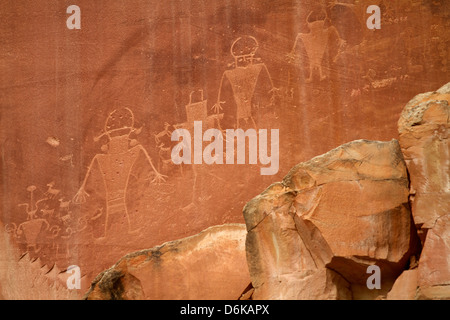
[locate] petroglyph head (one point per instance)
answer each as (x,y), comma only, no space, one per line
(243,50)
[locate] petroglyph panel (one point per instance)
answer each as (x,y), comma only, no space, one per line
(87,115)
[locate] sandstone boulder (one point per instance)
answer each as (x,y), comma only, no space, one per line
(342,211)
(423,136)
(209,265)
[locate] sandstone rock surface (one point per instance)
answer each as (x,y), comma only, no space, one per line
(209,265)
(434,263)
(423,130)
(24,278)
(342,211)
(423,135)
(405,287)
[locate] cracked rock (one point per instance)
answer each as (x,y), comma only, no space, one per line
(327,221)
(423,131)
(208,265)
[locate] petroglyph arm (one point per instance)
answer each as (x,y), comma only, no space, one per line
(159,177)
(292,53)
(80,196)
(217,107)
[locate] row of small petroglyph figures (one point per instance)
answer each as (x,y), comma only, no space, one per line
(45,211)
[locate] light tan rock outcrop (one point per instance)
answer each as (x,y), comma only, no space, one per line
(340,212)
(405,287)
(209,265)
(423,136)
(434,263)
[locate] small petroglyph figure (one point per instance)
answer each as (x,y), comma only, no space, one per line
(31,228)
(32,207)
(54,142)
(111,172)
(161,139)
(51,191)
(68,158)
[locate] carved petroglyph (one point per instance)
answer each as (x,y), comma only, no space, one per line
(33,226)
(196,111)
(164,146)
(243,78)
(67,158)
(51,192)
(52,141)
(45,218)
(117,166)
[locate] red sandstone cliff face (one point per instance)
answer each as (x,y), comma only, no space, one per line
(315,234)
(317,74)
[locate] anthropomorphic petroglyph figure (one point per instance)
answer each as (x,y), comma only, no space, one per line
(315,42)
(247,76)
(109,174)
(164,146)
(64,205)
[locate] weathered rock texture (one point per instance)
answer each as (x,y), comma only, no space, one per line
(23,278)
(209,265)
(423,136)
(313,235)
(405,287)
(423,128)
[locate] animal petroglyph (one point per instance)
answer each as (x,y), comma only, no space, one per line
(51,191)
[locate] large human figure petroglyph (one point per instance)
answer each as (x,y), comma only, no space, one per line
(111,172)
(243,79)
